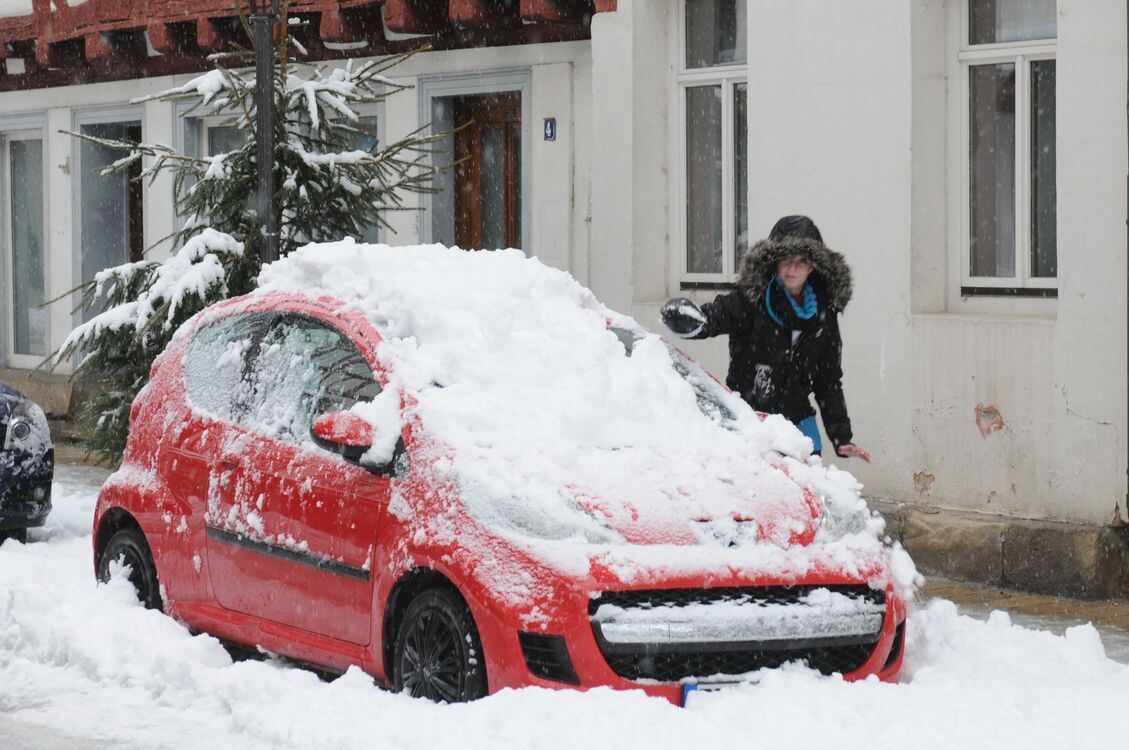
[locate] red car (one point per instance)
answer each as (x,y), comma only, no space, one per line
(257,502)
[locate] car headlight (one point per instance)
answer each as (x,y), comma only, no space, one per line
(27,428)
(841,519)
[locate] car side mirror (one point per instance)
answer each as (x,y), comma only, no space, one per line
(343,432)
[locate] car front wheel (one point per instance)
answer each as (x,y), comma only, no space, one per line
(438,654)
(130,548)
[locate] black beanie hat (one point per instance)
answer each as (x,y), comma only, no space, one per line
(795,226)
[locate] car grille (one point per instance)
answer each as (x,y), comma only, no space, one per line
(673,661)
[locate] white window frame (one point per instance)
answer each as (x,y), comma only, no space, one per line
(96,116)
(1022,54)
(728,77)
(24,129)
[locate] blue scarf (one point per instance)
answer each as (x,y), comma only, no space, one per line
(804,311)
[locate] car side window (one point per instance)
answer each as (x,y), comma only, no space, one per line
(304,369)
(217,377)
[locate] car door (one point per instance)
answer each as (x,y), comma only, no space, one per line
(298,524)
(217,389)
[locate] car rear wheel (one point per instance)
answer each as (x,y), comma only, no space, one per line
(130,548)
(438,654)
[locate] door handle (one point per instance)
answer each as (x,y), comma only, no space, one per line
(229,464)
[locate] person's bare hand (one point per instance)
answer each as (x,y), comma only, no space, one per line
(850,450)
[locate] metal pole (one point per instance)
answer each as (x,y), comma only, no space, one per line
(262,22)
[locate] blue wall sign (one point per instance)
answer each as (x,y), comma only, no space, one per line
(550,128)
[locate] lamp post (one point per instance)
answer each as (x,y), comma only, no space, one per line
(263,19)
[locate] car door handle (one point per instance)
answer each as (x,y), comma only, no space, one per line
(229,464)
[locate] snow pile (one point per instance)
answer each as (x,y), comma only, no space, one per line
(569,422)
(87,662)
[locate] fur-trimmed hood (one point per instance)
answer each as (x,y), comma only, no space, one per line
(831,271)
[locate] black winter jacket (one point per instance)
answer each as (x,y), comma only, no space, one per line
(769,372)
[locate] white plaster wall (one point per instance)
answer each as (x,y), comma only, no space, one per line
(1055,371)
(851,122)
(57,204)
(551,166)
(556,70)
(160,210)
(555,214)
(631,150)
(830,133)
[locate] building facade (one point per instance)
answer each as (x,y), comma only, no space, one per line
(969,158)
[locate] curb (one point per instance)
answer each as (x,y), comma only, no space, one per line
(1042,557)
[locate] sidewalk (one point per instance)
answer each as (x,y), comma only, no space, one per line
(1054,613)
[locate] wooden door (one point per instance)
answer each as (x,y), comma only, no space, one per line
(488,175)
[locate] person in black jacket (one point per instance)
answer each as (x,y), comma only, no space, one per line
(783,327)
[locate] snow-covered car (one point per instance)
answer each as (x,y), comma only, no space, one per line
(27,464)
(462,473)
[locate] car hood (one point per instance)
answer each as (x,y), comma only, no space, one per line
(781,513)
(777,510)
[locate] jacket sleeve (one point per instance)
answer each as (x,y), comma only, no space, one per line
(725,315)
(827,382)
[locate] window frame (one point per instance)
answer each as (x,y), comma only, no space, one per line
(101,115)
(24,128)
(728,77)
(490,81)
(1021,54)
(302,440)
(375,111)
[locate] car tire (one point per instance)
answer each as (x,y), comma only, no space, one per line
(20,535)
(438,654)
(129,546)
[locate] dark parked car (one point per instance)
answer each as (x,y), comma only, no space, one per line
(27,464)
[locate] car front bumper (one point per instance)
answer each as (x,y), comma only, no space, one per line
(581,656)
(25,493)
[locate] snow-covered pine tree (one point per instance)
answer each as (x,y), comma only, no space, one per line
(328,188)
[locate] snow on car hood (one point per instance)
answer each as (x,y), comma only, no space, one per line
(558,430)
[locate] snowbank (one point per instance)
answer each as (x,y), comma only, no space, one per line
(572,424)
(88,661)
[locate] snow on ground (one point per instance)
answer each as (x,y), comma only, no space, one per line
(84,666)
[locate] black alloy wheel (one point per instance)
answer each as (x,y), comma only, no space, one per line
(438,654)
(129,546)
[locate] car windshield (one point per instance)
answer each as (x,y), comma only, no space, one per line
(706,389)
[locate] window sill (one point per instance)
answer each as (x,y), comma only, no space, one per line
(989,291)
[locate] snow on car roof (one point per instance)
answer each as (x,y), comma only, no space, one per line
(559,432)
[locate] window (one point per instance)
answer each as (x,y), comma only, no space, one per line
(221,139)
(216,370)
(367,139)
(304,369)
(23,185)
(274,374)
(1008,207)
(111,224)
(220,135)
(713,114)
